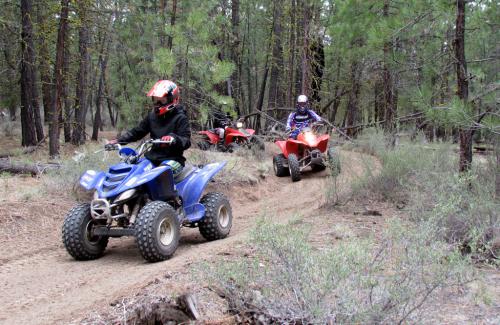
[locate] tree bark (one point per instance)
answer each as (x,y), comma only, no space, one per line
(107,93)
(58,79)
(276,94)
(82,89)
(390,103)
(317,68)
(465,134)
(249,66)
(66,116)
(236,55)
(291,66)
(163,13)
(352,114)
(28,77)
(305,82)
(103,62)
(44,62)
(172,23)
(497,169)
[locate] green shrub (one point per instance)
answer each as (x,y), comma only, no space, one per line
(65,179)
(356,281)
(425,180)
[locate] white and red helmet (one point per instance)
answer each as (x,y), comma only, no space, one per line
(302,103)
(165,95)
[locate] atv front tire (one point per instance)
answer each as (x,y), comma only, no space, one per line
(257,143)
(280,169)
(77,237)
(218,219)
(157,231)
(232,147)
(318,167)
(333,161)
(294,167)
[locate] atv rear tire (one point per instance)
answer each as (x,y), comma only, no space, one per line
(294,167)
(279,165)
(204,145)
(333,161)
(218,219)
(76,234)
(157,231)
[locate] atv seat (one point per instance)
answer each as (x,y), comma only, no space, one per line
(186,171)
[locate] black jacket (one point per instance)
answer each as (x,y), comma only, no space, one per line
(174,123)
(221,119)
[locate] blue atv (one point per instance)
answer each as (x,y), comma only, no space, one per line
(135,198)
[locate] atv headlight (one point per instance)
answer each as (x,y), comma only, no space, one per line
(239,125)
(310,137)
(125,196)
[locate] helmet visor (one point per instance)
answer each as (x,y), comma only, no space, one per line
(159,101)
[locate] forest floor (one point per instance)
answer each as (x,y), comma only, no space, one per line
(41,284)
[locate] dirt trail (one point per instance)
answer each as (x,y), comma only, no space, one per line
(47,286)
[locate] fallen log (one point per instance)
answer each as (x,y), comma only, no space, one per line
(18,153)
(7,165)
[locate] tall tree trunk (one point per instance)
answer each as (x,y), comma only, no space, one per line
(28,87)
(163,13)
(352,114)
(107,93)
(249,65)
(317,67)
(465,134)
(44,61)
(276,94)
(388,86)
(497,169)
(103,62)
(58,79)
(293,45)
(66,116)
(236,55)
(378,101)
(82,89)
(172,22)
(305,82)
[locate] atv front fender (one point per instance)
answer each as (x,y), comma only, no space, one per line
(289,146)
(234,134)
(91,179)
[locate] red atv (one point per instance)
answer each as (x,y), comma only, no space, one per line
(235,136)
(309,149)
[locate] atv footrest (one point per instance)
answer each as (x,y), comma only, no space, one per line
(113,232)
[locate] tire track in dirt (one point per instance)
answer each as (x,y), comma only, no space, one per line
(50,287)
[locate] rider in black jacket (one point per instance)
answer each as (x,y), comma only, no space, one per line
(169,122)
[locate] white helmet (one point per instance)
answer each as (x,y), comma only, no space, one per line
(302,99)
(302,104)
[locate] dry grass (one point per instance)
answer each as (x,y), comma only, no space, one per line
(238,168)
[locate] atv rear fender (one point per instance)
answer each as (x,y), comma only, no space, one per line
(191,189)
